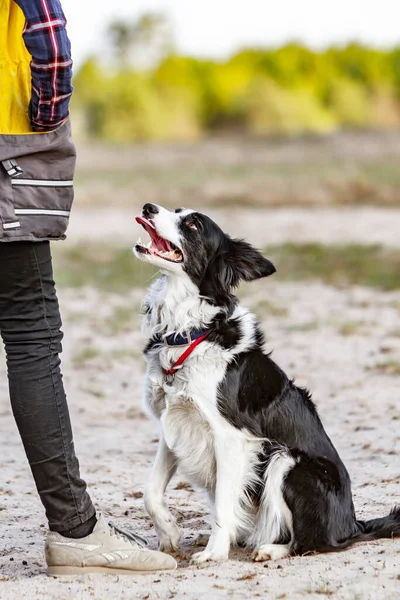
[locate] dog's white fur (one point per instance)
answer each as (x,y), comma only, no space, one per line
(209,451)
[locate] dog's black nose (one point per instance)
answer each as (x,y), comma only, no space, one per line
(149,210)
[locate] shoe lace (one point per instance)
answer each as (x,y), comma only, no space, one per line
(133,538)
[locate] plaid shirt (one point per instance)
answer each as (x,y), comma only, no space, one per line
(46,40)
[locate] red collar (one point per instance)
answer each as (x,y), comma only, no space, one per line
(178,364)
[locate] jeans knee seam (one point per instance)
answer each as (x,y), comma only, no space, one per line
(52,379)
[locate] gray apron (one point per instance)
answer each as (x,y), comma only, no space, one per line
(36,185)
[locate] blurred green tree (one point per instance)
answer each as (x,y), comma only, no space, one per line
(149,91)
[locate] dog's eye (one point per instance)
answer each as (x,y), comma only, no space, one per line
(192,225)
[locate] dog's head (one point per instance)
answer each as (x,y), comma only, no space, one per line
(188,243)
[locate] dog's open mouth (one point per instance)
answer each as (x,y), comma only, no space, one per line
(158,246)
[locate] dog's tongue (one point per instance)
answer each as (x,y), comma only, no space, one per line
(158,242)
(142,221)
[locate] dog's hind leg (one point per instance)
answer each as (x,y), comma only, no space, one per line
(274,520)
(164,523)
(318,494)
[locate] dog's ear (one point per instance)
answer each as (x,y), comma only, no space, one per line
(237,261)
(247,263)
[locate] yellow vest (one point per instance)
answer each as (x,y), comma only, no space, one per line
(15,73)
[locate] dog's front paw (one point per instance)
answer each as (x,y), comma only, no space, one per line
(208,555)
(169,539)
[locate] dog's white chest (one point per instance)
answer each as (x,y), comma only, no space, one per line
(189,436)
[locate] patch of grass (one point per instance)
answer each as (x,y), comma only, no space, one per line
(350,327)
(340,265)
(94,393)
(266,307)
(394,333)
(90,353)
(85,355)
(125,353)
(110,269)
(77,316)
(117,270)
(306,326)
(387,367)
(122,320)
(324,589)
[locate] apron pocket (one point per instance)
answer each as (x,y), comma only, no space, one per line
(43,205)
(9,220)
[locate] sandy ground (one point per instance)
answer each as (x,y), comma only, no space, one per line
(337,342)
(347,146)
(343,344)
(348,168)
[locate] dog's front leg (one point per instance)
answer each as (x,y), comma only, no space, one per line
(164,523)
(230,460)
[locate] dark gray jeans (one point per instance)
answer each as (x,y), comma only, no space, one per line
(30,327)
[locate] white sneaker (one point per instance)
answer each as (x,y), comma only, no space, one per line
(107,549)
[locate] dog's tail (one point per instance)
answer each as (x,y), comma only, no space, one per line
(384,527)
(368,531)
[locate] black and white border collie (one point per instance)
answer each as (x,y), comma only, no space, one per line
(231,420)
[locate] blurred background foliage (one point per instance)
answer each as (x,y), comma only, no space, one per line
(146,90)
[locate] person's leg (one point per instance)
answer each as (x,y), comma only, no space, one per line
(30,327)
